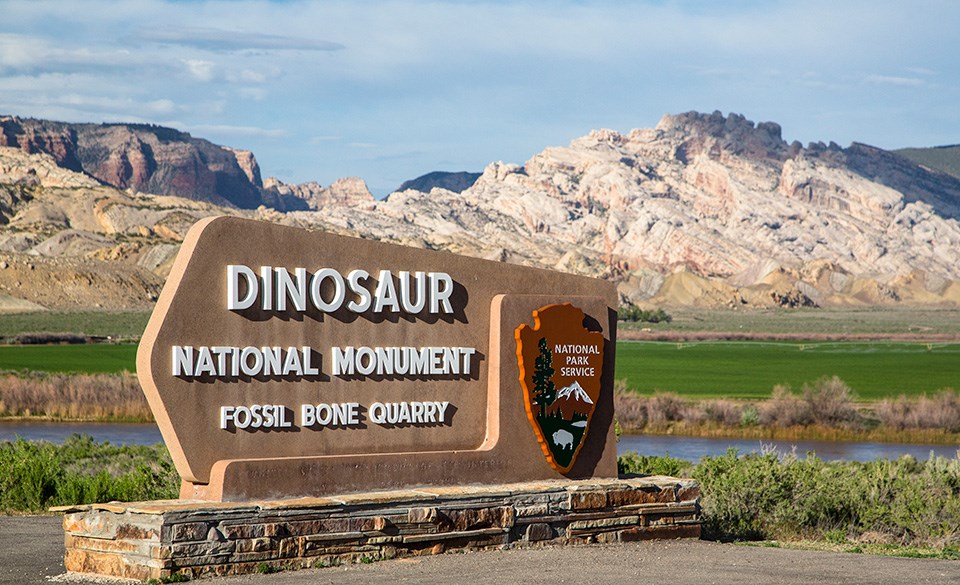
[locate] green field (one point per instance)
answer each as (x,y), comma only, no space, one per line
(874,370)
(99,358)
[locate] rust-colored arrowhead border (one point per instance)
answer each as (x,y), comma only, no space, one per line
(561,368)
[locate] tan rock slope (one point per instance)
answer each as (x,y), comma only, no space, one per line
(703,210)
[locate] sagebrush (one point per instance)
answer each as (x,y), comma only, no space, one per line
(902,502)
(35,475)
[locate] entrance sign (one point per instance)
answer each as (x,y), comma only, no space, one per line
(281,362)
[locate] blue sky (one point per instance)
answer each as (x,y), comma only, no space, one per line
(391,90)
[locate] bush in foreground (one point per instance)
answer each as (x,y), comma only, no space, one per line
(901,502)
(37,475)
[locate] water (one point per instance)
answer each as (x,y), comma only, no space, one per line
(689,448)
(56,432)
(693,448)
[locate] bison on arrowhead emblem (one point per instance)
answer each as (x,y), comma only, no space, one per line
(561,364)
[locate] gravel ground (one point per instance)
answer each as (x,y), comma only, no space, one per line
(31,552)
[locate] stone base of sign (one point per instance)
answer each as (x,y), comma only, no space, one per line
(154,540)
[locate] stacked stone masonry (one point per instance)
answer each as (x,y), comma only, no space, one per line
(152,540)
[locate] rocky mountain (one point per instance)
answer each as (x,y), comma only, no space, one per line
(703,209)
(456,182)
(142,157)
(163,161)
(348,191)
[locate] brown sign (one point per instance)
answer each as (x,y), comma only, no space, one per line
(281,362)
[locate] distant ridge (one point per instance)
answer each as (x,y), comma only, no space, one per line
(456,182)
(941,158)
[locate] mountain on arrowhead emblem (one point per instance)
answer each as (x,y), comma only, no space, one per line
(574,392)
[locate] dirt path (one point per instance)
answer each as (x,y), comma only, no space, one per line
(31,551)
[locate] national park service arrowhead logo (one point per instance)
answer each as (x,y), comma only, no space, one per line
(561,364)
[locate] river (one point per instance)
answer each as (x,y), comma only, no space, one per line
(693,448)
(689,448)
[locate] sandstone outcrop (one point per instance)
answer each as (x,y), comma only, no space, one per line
(142,157)
(703,209)
(348,192)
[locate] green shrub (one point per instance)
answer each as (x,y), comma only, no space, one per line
(37,475)
(633,463)
(749,417)
(758,497)
(634,314)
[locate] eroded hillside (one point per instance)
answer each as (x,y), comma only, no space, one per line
(704,210)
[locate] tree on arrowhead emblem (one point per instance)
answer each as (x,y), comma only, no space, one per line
(544,390)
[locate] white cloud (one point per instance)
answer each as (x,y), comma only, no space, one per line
(257,94)
(218,39)
(247,131)
(162,106)
(200,69)
(895,80)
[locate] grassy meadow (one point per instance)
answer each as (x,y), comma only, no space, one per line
(750,369)
(92,358)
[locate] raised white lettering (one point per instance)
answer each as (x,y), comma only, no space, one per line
(405,293)
(281,289)
(308,368)
(358,289)
(204,363)
(386,295)
(345,414)
(234,273)
(339,292)
(288,289)
(402,361)
(440,296)
(182,360)
(342,360)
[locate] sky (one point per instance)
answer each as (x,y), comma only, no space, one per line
(391,90)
